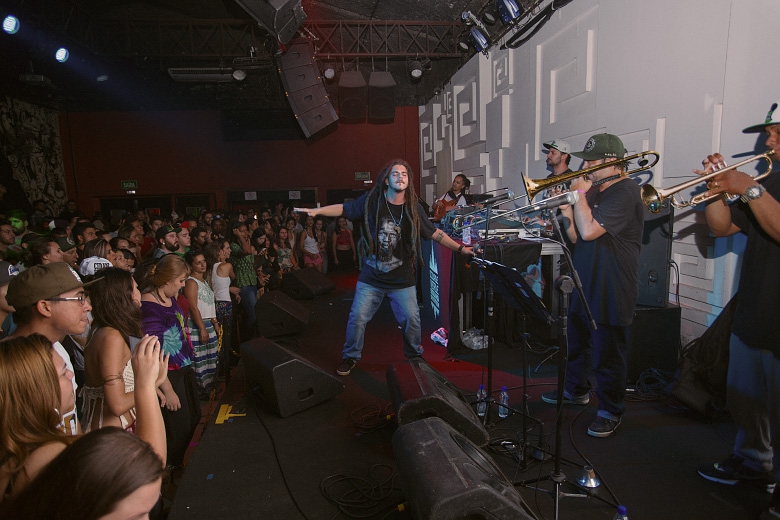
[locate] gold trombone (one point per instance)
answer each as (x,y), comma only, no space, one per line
(653,198)
(535,186)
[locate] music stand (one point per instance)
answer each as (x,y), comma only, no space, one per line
(511,285)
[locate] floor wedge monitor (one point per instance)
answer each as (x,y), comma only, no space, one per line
(445,476)
(417,391)
(285,382)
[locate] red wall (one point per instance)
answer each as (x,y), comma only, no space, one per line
(183,152)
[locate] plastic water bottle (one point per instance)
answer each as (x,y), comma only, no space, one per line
(622,513)
(481,401)
(467,232)
(503,403)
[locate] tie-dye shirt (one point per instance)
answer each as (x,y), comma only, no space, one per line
(167,323)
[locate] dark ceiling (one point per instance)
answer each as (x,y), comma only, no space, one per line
(132,46)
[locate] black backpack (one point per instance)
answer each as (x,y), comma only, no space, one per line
(701,380)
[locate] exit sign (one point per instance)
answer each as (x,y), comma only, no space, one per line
(362,176)
(129,185)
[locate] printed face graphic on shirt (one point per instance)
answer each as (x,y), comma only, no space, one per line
(388,246)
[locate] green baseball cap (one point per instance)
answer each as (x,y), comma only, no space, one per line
(772,118)
(602,146)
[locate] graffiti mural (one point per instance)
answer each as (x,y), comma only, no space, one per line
(30,141)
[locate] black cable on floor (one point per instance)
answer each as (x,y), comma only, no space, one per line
(255,403)
(372,417)
(358,497)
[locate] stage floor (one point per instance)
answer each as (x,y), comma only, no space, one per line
(336,460)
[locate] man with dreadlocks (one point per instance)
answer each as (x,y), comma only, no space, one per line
(393,226)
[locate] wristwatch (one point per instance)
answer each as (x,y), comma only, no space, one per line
(752,193)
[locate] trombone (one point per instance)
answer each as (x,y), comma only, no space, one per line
(535,186)
(653,198)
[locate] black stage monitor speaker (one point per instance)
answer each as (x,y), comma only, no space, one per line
(381,96)
(305,91)
(353,95)
(445,476)
(278,314)
(654,258)
(285,382)
(281,18)
(653,340)
(307,283)
(418,391)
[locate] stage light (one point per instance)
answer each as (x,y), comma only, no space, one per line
(415,69)
(239,75)
(102,78)
(329,72)
(11,24)
(478,33)
(508,11)
(62,55)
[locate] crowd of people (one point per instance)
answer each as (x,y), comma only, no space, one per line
(112,334)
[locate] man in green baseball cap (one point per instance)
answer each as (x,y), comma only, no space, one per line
(606,224)
(753,380)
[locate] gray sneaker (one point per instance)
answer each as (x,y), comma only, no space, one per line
(552,398)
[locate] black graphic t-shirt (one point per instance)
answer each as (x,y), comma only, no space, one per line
(391,267)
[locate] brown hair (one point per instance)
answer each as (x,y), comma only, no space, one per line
(154,274)
(89,477)
(29,399)
(111,296)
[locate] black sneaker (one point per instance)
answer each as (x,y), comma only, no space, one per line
(346,366)
(552,398)
(603,427)
(733,470)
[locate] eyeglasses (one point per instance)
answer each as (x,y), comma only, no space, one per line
(81,298)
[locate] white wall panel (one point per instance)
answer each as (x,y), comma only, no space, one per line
(682,78)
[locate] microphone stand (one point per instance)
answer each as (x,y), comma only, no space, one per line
(564,285)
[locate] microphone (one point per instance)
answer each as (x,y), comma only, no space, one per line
(553,202)
(497,198)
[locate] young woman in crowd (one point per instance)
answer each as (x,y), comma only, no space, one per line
(160,283)
(108,393)
(105,474)
(42,251)
(344,252)
(220,276)
(284,252)
(203,324)
(34,385)
(308,243)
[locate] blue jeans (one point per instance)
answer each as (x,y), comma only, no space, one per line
(753,399)
(364,306)
(605,352)
(248,300)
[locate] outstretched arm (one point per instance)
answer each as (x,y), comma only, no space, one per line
(334,210)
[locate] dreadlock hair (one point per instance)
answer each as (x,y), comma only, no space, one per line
(374,199)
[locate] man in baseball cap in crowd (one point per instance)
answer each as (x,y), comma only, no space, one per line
(606,224)
(167,242)
(49,299)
